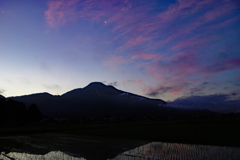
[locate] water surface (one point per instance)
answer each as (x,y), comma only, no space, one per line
(90,148)
(64,146)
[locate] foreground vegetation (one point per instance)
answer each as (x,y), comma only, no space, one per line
(193,131)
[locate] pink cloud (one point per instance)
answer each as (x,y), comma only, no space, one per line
(115,61)
(145,56)
(63,11)
(233,63)
(141,32)
(60,12)
(154,71)
(180,64)
(178,90)
(133,42)
(64,85)
(225,23)
(222,66)
(173,86)
(181,11)
(138,82)
(189,42)
(219,11)
(161,89)
(175,73)
(137,23)
(179,82)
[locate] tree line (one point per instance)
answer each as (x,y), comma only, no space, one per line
(15,113)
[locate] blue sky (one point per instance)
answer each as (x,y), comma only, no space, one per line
(153,48)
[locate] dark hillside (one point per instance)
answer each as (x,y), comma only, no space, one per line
(98,100)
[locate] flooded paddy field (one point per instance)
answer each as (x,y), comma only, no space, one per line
(178,151)
(90,148)
(131,141)
(65,146)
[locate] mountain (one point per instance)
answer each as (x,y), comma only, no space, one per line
(97,100)
(2,97)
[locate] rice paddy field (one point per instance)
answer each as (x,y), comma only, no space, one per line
(178,151)
(128,141)
(54,155)
(87,147)
(150,151)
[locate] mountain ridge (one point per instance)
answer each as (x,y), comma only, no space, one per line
(97,100)
(2,97)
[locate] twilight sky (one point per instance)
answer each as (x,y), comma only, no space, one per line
(164,49)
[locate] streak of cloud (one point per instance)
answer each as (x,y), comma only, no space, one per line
(115,83)
(144,56)
(60,12)
(52,87)
(175,46)
(2,91)
(114,61)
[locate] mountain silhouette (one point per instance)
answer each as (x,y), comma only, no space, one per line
(2,97)
(98,100)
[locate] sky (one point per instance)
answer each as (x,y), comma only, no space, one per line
(170,50)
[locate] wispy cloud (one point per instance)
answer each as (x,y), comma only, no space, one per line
(145,56)
(167,87)
(191,42)
(176,46)
(114,61)
(44,66)
(115,83)
(60,12)
(178,74)
(222,66)
(52,86)
(2,91)
(159,91)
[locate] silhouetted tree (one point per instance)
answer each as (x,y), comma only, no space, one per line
(15,113)
(34,114)
(12,112)
(21,114)
(2,109)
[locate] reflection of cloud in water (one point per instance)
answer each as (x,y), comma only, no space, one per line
(175,151)
(54,155)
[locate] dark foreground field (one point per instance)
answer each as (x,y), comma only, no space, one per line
(192,132)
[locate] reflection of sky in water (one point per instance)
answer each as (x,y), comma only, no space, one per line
(54,155)
(175,151)
(61,146)
(90,148)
